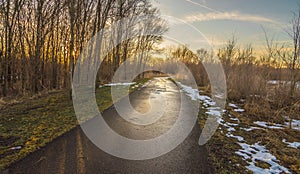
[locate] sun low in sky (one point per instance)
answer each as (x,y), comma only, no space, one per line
(220,20)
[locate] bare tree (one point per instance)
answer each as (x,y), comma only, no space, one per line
(40,40)
(294,62)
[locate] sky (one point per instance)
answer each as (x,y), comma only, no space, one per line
(210,23)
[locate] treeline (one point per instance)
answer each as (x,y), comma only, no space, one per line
(248,74)
(40,40)
(270,76)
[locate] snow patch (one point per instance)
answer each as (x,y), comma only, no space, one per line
(239,138)
(293,144)
(256,152)
(236,108)
(231,124)
(206,101)
(232,105)
(295,124)
(16,148)
(250,129)
(268,125)
(235,119)
(119,84)
(239,110)
(192,93)
(283,83)
(213,112)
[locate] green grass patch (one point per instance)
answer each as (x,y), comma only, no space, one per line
(31,124)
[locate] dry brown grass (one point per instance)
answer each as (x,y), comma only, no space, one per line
(222,148)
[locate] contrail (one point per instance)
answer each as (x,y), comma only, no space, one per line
(203,6)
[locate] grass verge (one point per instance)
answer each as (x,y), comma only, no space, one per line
(27,126)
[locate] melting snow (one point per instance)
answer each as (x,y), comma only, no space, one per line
(230,129)
(231,124)
(16,148)
(256,152)
(213,112)
(232,105)
(267,125)
(251,153)
(282,82)
(207,102)
(239,110)
(120,84)
(239,138)
(236,108)
(275,82)
(250,129)
(192,93)
(295,124)
(293,144)
(235,119)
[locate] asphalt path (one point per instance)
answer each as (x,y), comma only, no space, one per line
(73,152)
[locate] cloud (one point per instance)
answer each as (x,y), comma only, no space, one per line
(172,21)
(200,17)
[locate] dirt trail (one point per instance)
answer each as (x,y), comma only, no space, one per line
(75,153)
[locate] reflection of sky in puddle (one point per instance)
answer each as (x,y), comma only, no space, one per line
(156,104)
